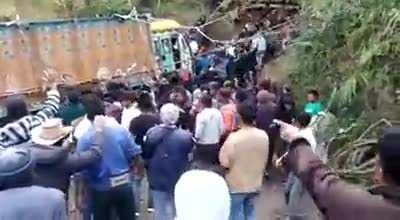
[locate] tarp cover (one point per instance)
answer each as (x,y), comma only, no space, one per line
(83,49)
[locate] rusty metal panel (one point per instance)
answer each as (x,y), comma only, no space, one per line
(79,48)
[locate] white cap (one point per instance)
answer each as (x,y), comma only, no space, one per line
(202,195)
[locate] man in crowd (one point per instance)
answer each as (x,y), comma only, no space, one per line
(266,112)
(166,150)
(295,190)
(72,108)
(19,199)
(314,105)
(147,118)
(335,198)
(20,122)
(130,108)
(244,154)
(109,180)
(228,109)
(208,131)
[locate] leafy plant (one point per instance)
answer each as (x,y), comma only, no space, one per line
(351,46)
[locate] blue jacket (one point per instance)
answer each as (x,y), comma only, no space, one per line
(118,153)
(166,150)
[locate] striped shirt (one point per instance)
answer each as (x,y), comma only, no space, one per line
(19,131)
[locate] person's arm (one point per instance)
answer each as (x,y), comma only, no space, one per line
(226,152)
(131,149)
(200,126)
(221,124)
(50,108)
(78,161)
(335,198)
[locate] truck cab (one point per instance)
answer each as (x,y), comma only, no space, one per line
(170,46)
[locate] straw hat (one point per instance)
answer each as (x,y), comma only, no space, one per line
(50,132)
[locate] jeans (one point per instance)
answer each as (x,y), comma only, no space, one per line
(119,199)
(242,206)
(163,205)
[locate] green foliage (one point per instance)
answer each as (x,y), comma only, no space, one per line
(92,8)
(350,47)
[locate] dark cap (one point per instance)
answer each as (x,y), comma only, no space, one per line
(14,161)
(389,151)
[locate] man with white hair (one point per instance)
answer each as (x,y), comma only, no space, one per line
(166,151)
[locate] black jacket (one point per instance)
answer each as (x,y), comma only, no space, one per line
(54,166)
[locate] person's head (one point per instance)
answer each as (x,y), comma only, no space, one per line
(265,84)
(224,95)
(302,120)
(228,84)
(313,95)
(128,97)
(73,96)
(145,102)
(94,106)
(16,108)
(16,168)
(214,87)
(247,113)
(113,86)
(265,97)
(206,101)
(174,79)
(179,96)
(201,194)
(169,114)
(241,96)
(388,166)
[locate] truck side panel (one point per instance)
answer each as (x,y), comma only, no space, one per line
(76,48)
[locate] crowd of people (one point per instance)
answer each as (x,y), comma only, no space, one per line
(204,149)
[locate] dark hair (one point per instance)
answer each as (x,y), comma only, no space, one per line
(247,113)
(214,85)
(314,92)
(145,102)
(389,153)
(241,96)
(174,79)
(94,106)
(73,96)
(112,86)
(265,84)
(206,100)
(16,108)
(115,95)
(303,119)
(225,93)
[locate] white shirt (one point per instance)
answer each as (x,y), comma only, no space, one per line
(202,195)
(308,134)
(194,46)
(84,125)
(259,43)
(128,114)
(209,126)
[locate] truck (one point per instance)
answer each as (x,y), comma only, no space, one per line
(82,49)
